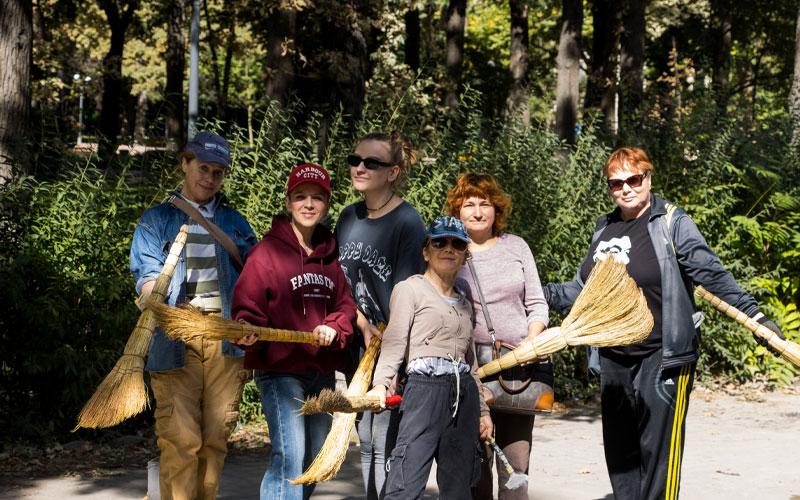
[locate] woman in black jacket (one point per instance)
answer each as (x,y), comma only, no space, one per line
(645,387)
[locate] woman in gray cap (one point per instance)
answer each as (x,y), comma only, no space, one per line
(443,412)
(196,384)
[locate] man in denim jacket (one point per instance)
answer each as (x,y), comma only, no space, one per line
(197,384)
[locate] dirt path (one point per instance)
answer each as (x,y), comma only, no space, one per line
(740,444)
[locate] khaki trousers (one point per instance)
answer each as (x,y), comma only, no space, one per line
(197,407)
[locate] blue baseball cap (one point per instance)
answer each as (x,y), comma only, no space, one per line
(210,148)
(447,226)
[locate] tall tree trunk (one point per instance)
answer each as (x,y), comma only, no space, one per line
(518,65)
(353,90)
(456,19)
(213,43)
(722,25)
(601,84)
(16,35)
(109,125)
(226,70)
(569,59)
(281,26)
(756,78)
(794,93)
(412,38)
(632,62)
(140,120)
(176,67)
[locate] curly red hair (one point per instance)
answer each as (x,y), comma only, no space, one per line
(636,158)
(484,186)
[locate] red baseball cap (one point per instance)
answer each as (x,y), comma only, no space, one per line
(309,172)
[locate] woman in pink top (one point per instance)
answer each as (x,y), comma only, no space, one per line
(508,277)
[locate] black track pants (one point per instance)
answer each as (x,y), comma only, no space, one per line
(429,431)
(644,423)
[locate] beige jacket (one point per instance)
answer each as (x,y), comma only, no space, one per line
(422,324)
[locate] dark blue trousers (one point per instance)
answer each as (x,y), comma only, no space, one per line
(429,431)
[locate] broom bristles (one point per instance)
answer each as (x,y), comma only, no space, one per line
(122,394)
(119,396)
(611,310)
(330,401)
(187,323)
(332,454)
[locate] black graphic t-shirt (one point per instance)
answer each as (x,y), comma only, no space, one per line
(375,254)
(629,242)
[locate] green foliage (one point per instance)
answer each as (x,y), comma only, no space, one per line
(69,295)
(740,187)
(250,407)
(66,292)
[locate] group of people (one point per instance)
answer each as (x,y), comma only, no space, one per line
(382,272)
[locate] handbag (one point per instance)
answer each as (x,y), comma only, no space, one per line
(521,390)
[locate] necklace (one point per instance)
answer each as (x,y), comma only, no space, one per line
(391,197)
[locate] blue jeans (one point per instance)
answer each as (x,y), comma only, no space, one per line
(296,439)
(377,433)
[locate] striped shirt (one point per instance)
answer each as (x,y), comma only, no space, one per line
(202,282)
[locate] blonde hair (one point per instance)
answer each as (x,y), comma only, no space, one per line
(400,151)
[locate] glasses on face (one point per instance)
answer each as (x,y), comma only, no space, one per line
(633,181)
(369,163)
(457,244)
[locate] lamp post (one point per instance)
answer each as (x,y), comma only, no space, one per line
(77,77)
(194,71)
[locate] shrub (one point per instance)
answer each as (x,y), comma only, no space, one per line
(68,294)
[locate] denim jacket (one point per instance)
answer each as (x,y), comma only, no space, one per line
(152,240)
(684,259)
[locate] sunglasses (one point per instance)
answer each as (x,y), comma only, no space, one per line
(633,181)
(369,163)
(441,243)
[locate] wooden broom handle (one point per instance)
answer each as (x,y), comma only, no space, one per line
(280,335)
(161,286)
(159,292)
(157,295)
(787,349)
(510,359)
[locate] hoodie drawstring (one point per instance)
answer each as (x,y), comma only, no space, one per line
(458,383)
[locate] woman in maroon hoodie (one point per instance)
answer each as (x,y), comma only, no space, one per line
(292,280)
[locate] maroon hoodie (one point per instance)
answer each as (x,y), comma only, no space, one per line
(283,287)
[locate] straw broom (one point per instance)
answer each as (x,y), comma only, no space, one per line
(122,394)
(187,323)
(331,456)
(786,348)
(610,311)
(330,401)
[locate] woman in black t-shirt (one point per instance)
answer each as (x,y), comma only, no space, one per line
(380,244)
(645,387)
